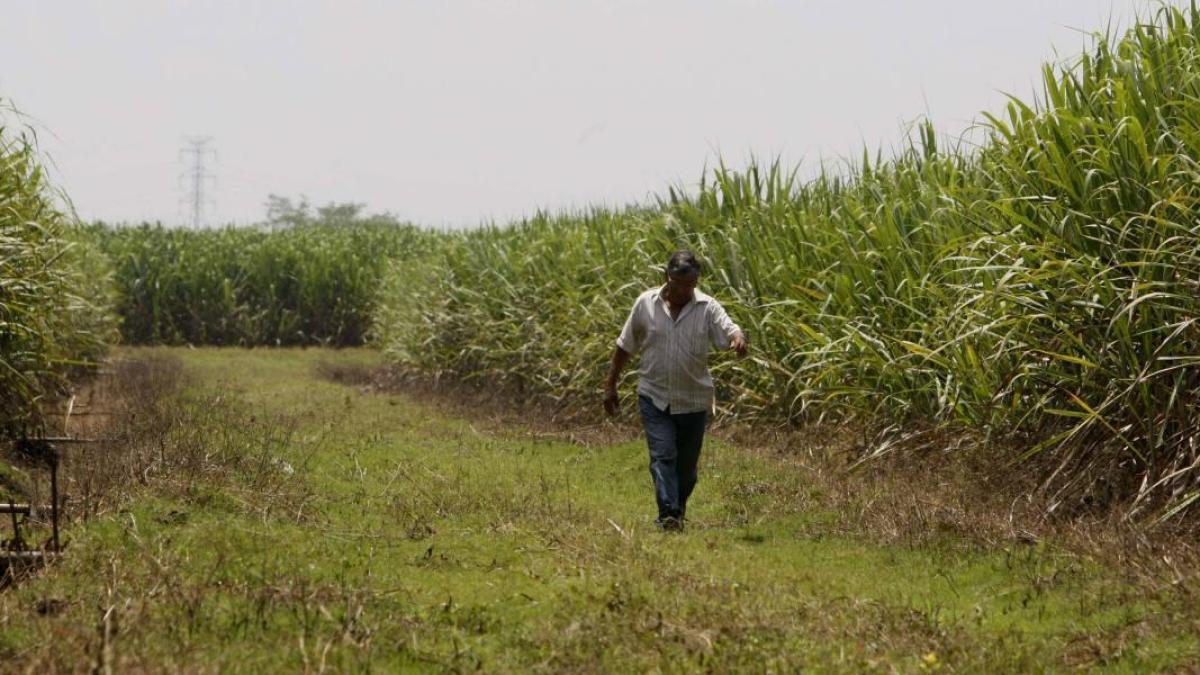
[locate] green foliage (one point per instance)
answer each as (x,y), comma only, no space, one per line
(312,281)
(1042,287)
(53,288)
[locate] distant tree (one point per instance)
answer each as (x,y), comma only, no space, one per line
(339,214)
(282,212)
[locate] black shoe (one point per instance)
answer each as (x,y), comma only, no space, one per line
(670,524)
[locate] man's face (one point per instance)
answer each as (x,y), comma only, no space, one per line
(679,289)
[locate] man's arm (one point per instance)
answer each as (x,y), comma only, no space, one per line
(619,358)
(633,334)
(726,333)
(739,344)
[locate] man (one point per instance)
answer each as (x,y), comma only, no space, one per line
(673,327)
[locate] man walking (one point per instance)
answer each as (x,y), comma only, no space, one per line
(673,327)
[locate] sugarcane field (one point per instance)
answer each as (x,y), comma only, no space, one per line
(669,337)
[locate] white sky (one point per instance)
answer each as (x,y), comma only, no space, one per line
(451,112)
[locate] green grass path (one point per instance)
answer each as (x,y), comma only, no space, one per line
(429,543)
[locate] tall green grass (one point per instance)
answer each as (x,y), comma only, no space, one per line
(54,291)
(312,282)
(1042,288)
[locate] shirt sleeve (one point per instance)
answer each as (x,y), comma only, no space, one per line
(721,328)
(633,334)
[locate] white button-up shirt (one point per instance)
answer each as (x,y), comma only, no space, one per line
(674,368)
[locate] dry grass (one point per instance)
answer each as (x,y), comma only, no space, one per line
(164,439)
(151,438)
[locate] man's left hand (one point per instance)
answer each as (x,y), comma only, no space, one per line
(738,344)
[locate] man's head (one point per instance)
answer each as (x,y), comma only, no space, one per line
(682,274)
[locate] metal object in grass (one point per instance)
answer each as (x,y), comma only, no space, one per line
(16,552)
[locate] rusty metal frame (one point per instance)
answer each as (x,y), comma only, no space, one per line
(46,449)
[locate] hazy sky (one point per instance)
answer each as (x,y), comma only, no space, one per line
(451,112)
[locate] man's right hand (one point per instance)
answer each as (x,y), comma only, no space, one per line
(619,358)
(611,402)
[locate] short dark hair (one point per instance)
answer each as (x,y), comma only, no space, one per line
(683,264)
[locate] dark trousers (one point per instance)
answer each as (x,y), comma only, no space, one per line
(674,442)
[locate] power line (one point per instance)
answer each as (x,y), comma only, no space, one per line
(196,179)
